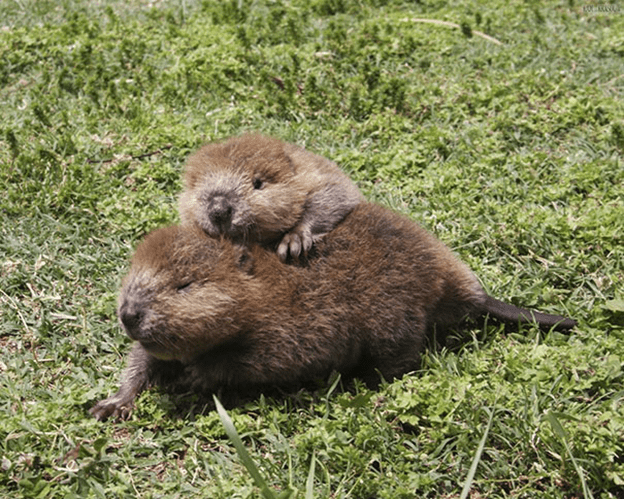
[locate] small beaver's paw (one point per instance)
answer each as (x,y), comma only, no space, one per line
(111,407)
(296,242)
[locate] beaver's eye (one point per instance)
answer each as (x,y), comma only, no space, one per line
(258,183)
(184,287)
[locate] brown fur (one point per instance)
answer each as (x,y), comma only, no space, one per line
(258,189)
(208,314)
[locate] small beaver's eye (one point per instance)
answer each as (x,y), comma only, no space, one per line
(184,287)
(258,183)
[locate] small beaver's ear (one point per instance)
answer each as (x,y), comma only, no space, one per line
(244,259)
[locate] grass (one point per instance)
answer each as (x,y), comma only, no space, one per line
(511,153)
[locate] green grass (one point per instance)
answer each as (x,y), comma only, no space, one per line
(511,153)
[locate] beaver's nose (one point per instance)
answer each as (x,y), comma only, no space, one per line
(221,212)
(131,316)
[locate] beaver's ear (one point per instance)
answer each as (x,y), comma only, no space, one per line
(244,259)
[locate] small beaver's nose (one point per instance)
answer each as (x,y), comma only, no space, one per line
(130,317)
(221,213)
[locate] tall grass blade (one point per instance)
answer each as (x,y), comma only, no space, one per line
(310,482)
(242,452)
(476,459)
(561,433)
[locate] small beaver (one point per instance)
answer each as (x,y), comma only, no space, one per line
(258,189)
(207,314)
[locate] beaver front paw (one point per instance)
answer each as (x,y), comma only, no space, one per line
(112,407)
(296,242)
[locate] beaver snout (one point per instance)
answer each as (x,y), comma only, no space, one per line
(220,212)
(131,316)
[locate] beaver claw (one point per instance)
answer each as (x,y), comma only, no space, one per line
(111,407)
(297,242)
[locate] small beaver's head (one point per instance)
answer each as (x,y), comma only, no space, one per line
(246,188)
(180,287)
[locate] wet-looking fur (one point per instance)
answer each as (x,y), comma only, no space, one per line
(208,314)
(258,189)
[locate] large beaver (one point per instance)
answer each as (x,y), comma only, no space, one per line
(207,314)
(258,189)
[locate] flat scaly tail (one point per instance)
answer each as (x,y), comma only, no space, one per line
(510,313)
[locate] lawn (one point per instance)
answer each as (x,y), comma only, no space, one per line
(502,132)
